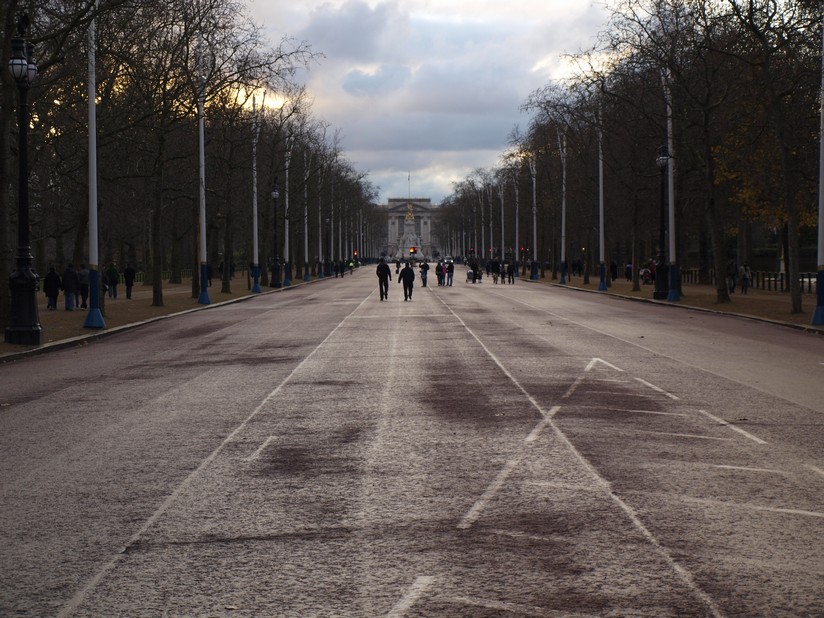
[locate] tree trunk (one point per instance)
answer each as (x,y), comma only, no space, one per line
(226,287)
(157,238)
(157,255)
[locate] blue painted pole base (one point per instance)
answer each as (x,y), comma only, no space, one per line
(673,296)
(203,299)
(287,275)
(94,319)
(255,279)
(533,276)
(818,315)
(306,271)
(602,275)
(563,280)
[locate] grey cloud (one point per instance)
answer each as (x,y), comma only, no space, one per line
(434,132)
(388,78)
(355,31)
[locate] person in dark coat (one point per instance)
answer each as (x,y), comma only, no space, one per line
(112,278)
(424,272)
(84,276)
(384,277)
(71,286)
(407,278)
(51,287)
(129,274)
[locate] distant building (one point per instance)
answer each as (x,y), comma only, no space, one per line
(410,223)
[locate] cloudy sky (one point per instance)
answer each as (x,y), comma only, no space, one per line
(429,89)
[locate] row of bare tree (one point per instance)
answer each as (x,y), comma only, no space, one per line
(742,78)
(155,61)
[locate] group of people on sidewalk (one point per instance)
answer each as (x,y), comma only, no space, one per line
(74,284)
(741,275)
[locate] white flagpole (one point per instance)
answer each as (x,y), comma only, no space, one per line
(94,319)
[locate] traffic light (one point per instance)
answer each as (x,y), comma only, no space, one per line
(356,253)
(413,250)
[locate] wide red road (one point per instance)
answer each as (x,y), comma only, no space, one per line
(480,451)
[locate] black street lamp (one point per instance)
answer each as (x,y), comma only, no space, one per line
(275,283)
(661,269)
(24,327)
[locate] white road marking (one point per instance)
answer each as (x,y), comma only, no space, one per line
(599,480)
(480,504)
(529,537)
(743,505)
(415,592)
(573,387)
(69,608)
(721,421)
(815,468)
(746,469)
(657,389)
(588,368)
(679,435)
(257,453)
(636,411)
(596,360)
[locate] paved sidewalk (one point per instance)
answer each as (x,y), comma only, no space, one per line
(61,327)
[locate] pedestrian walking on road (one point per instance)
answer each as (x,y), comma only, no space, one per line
(450,272)
(424,272)
(384,277)
(128,278)
(70,285)
(407,278)
(51,287)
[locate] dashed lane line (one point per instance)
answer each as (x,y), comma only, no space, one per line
(815,469)
(415,592)
(721,421)
(657,389)
(260,449)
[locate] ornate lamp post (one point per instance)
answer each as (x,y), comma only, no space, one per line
(275,282)
(24,327)
(661,268)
